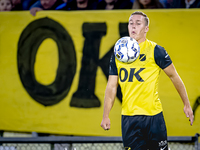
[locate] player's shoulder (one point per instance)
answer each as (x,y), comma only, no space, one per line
(157,48)
(151,43)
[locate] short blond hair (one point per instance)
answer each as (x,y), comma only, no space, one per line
(142,14)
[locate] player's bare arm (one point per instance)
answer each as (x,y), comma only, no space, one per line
(110,93)
(180,87)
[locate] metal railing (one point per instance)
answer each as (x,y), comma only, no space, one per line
(86,143)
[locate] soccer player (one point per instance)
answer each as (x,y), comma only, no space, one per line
(143,125)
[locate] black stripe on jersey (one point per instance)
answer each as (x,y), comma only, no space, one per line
(161,57)
(113,67)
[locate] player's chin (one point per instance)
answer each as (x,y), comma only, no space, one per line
(134,36)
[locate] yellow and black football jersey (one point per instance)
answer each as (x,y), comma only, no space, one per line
(139,79)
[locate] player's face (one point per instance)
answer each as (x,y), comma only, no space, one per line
(137,28)
(5,5)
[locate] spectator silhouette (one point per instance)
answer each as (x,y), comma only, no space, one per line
(186,4)
(45,5)
(22,4)
(81,5)
(166,3)
(17,5)
(114,4)
(5,5)
(147,4)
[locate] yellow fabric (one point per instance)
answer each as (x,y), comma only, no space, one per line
(140,97)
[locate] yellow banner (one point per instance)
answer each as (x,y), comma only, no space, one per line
(54,68)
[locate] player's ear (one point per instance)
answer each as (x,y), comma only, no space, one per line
(146,29)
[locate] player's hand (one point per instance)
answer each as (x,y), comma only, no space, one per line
(105,124)
(34,10)
(189,113)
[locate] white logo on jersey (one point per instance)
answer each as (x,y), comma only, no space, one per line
(162,143)
(163,148)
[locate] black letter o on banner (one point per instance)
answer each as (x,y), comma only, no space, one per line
(31,38)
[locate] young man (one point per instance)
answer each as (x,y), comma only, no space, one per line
(143,125)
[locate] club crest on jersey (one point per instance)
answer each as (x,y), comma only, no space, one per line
(142,57)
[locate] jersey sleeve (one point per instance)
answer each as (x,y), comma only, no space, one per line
(161,56)
(113,67)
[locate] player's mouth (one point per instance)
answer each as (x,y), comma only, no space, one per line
(133,32)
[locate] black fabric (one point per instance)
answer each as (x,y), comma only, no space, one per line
(142,132)
(113,67)
(162,59)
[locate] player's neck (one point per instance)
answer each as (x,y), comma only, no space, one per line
(141,40)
